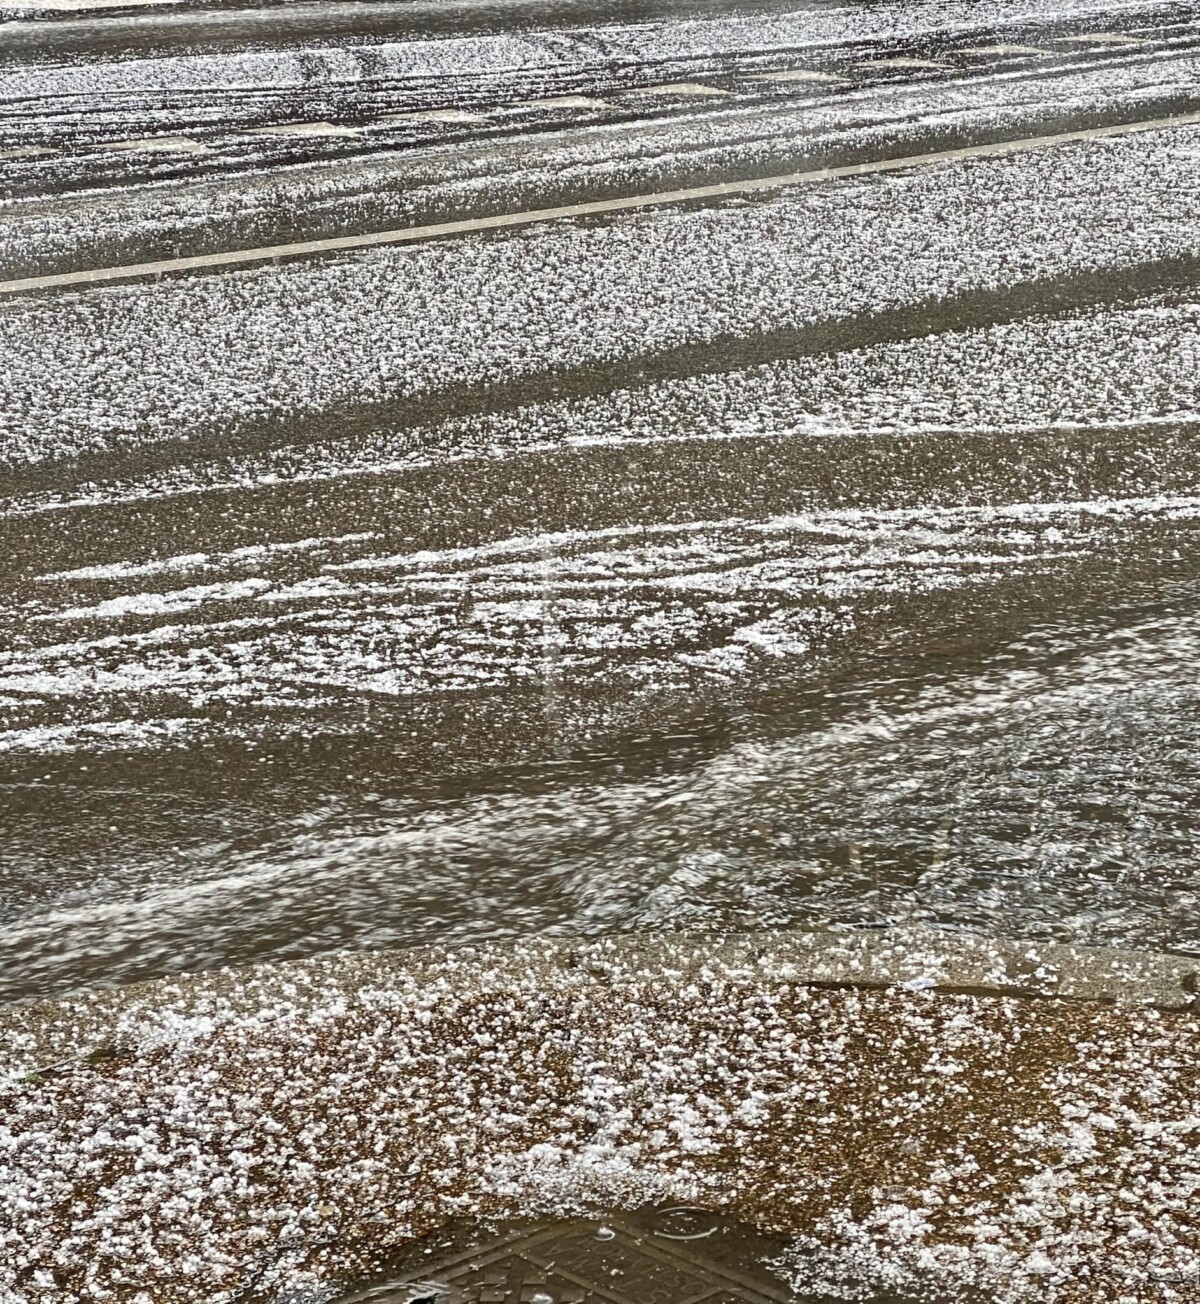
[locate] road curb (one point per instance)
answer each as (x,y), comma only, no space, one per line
(920,959)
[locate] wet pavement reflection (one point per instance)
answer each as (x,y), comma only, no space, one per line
(1044,785)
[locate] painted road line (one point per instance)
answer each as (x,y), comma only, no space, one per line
(797,75)
(1105,38)
(303,129)
(679,88)
(74,6)
(434,115)
(562,102)
(595,208)
(27,152)
(153,145)
(996,51)
(902,63)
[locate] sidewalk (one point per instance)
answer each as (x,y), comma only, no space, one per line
(911,1108)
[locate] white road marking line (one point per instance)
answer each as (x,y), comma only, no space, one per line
(153,145)
(679,88)
(988,51)
(562,102)
(70,6)
(797,75)
(27,151)
(594,208)
(902,63)
(434,115)
(303,129)
(1105,38)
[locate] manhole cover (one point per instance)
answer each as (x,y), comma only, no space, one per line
(670,1256)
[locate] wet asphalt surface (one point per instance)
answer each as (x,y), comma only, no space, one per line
(824,558)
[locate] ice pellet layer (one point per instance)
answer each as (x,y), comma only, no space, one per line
(290,1126)
(410,174)
(146,363)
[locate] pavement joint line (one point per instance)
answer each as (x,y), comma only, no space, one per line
(599,207)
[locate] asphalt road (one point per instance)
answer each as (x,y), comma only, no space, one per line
(825,554)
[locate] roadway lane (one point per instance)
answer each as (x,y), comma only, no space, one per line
(598,208)
(826,556)
(101,119)
(216,191)
(49,35)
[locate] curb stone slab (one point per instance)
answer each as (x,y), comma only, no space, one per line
(922,959)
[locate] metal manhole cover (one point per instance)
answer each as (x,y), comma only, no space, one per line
(671,1256)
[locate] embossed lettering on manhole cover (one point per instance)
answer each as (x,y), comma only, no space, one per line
(675,1256)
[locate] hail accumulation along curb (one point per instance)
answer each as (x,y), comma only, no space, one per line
(917,958)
